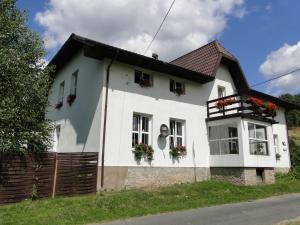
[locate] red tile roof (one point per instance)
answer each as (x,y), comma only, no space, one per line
(204,59)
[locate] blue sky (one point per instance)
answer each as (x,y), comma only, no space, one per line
(253,30)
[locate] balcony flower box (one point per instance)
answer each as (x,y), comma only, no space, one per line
(222,103)
(71,98)
(58,105)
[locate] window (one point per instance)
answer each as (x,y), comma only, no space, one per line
(61,92)
(223,139)
(258,139)
(177,87)
(74,83)
(56,137)
(140,129)
(143,79)
(176,137)
(276,143)
(221,92)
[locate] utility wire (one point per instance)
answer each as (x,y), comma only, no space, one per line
(160,26)
(274,78)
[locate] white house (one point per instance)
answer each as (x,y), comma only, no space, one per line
(107,100)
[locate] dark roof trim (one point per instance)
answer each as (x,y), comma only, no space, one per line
(278,101)
(99,50)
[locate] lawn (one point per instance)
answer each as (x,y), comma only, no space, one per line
(107,206)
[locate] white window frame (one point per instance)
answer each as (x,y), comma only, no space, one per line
(61,92)
(142,73)
(175,135)
(74,83)
(229,139)
(57,134)
(176,84)
(258,139)
(140,132)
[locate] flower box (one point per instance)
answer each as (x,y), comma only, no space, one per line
(145,83)
(178,151)
(143,150)
(222,103)
(71,98)
(179,91)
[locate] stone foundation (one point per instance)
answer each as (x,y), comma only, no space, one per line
(282,169)
(122,177)
(242,176)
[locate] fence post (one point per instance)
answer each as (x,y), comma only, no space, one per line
(54,175)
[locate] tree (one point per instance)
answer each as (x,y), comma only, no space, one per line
(24,85)
(293,116)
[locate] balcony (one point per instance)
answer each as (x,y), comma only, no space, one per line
(243,106)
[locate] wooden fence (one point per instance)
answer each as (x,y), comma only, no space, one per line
(48,175)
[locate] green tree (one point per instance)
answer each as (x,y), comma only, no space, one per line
(24,85)
(293,116)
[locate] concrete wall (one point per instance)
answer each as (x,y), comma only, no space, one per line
(80,122)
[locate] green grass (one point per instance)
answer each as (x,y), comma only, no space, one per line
(294,133)
(116,205)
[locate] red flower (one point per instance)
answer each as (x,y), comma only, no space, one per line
(220,104)
(271,106)
(256,101)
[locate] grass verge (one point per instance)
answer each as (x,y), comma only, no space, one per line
(116,205)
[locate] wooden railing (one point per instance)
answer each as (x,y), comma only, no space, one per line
(241,107)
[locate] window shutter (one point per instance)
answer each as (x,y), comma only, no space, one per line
(183,87)
(172,85)
(137,76)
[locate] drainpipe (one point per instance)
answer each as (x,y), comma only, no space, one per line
(105,117)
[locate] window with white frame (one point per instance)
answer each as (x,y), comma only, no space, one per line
(221,92)
(61,92)
(223,139)
(176,137)
(74,83)
(140,129)
(276,143)
(258,140)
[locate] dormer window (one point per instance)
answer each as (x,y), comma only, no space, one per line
(177,87)
(143,79)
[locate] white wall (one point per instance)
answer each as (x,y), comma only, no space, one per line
(127,97)
(80,122)
(281,130)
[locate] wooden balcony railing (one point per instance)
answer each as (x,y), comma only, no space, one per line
(237,105)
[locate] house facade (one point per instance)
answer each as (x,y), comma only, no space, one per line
(108,100)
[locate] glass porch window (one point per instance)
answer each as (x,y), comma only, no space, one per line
(258,141)
(223,139)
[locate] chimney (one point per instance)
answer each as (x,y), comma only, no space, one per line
(154,56)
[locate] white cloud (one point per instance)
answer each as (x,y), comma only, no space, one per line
(130,24)
(281,61)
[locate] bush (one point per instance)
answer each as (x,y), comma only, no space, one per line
(295,159)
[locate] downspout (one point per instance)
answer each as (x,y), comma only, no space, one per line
(105,117)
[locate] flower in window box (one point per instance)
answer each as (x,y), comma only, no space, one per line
(143,150)
(71,98)
(179,91)
(58,105)
(178,151)
(271,108)
(230,101)
(220,104)
(145,83)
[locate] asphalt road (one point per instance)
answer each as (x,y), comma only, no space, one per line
(260,212)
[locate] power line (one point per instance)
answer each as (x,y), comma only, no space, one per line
(160,26)
(277,77)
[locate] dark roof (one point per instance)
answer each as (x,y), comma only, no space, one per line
(99,50)
(199,65)
(204,59)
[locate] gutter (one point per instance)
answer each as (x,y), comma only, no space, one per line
(105,117)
